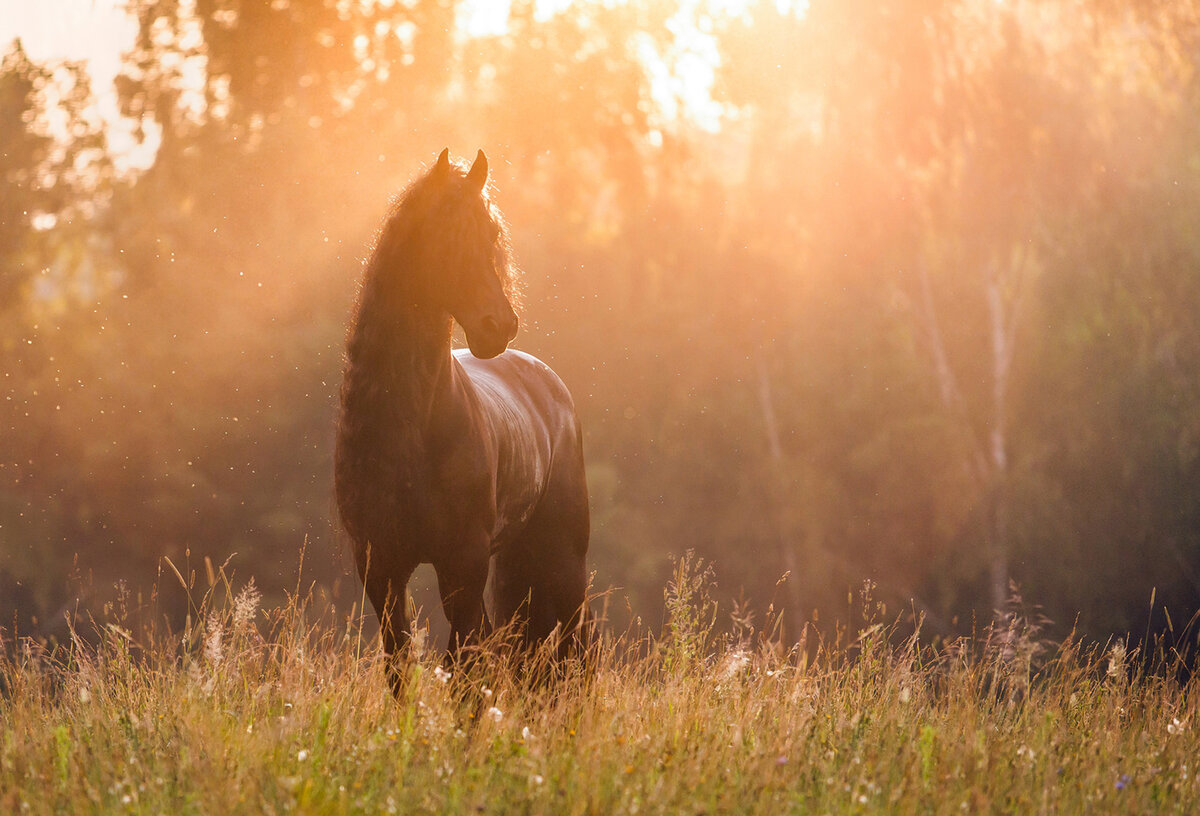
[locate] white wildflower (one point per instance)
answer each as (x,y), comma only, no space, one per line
(441,674)
(526,733)
(303,755)
(495,714)
(1176,726)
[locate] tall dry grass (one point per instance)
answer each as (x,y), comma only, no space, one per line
(251,710)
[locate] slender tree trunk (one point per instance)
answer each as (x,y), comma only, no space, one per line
(988,459)
(1001,362)
(779,507)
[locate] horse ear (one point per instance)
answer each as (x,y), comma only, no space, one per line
(443,162)
(478,174)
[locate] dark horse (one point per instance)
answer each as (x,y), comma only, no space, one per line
(472,462)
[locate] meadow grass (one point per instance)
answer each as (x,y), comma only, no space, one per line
(288,711)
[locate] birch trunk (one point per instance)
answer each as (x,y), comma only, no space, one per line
(998,560)
(779,494)
(988,461)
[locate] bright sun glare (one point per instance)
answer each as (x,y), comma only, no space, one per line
(98,31)
(681,81)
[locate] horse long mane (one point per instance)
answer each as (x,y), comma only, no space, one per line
(435,227)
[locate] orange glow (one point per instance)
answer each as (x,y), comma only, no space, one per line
(874,287)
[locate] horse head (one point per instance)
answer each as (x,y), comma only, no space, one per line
(478,274)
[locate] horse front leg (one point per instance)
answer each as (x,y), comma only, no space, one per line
(461,581)
(387,595)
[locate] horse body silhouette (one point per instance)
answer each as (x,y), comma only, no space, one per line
(469,460)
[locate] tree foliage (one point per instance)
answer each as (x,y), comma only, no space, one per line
(917,303)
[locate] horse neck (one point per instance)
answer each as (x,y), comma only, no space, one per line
(399,356)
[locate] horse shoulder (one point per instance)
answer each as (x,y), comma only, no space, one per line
(520,389)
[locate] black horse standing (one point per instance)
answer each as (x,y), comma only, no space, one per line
(472,462)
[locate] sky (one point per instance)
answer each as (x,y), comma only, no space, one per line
(97,31)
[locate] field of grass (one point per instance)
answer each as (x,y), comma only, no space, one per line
(288,711)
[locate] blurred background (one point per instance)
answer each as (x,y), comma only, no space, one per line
(899,290)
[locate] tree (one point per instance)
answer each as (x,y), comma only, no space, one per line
(52,265)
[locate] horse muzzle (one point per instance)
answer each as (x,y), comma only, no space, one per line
(492,336)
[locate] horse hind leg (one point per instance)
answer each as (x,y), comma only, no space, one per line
(540,595)
(541,578)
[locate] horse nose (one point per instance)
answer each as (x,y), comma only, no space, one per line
(501,326)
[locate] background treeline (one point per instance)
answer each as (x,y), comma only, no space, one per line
(913,295)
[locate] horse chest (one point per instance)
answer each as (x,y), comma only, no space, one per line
(486,483)
(456,495)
